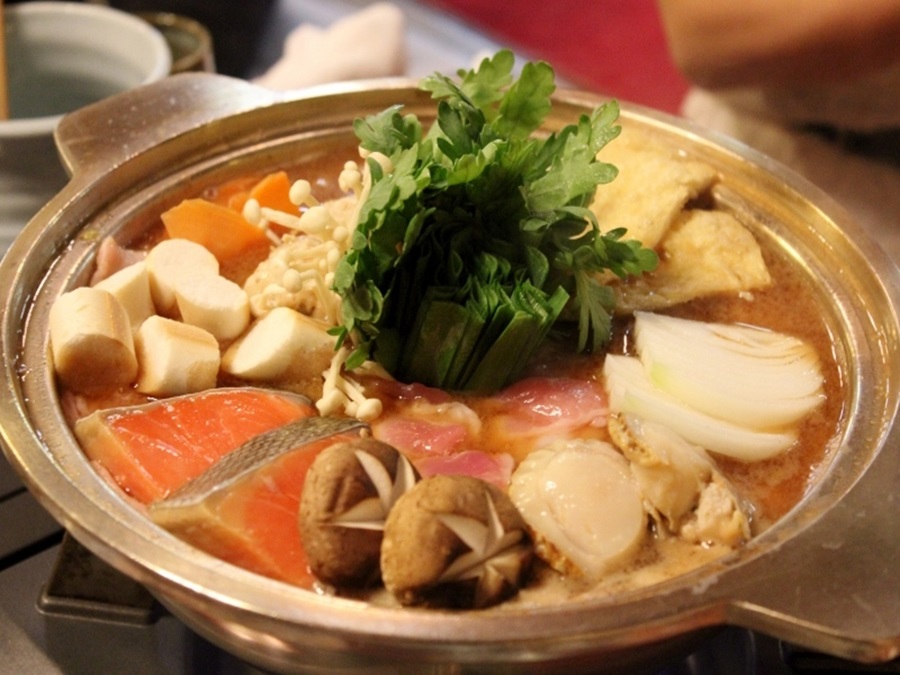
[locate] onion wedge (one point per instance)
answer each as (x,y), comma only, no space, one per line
(753,377)
(631,391)
(735,390)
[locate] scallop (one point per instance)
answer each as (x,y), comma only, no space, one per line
(670,471)
(582,505)
(684,490)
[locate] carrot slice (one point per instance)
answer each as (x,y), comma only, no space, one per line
(236,188)
(237,200)
(220,229)
(273,192)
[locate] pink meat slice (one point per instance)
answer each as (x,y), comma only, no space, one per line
(538,410)
(496,469)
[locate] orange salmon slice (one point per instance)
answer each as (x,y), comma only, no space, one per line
(152,449)
(252,522)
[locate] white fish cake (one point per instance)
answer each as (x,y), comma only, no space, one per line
(651,190)
(704,254)
(175,358)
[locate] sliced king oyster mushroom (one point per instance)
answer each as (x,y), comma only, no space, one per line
(685,492)
(455,541)
(348,492)
(582,505)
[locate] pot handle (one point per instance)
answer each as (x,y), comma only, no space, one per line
(836,587)
(103,135)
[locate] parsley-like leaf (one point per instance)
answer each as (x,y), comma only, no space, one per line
(469,247)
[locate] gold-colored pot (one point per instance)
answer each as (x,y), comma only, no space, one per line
(824,577)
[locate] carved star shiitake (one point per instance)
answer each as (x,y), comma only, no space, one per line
(371,512)
(454,541)
(348,492)
(494,560)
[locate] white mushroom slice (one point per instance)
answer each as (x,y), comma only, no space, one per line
(91,340)
(175,358)
(213,303)
(131,287)
(268,350)
(169,262)
(582,505)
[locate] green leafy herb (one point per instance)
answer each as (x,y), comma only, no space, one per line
(470,246)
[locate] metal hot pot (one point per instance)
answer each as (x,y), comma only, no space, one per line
(824,577)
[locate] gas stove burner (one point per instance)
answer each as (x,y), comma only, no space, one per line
(81,585)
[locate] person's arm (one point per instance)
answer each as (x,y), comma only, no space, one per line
(724,43)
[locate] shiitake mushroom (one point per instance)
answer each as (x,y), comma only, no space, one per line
(455,542)
(348,491)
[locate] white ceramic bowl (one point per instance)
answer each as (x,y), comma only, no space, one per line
(62,56)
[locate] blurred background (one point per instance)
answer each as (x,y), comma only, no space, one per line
(610,46)
(615,47)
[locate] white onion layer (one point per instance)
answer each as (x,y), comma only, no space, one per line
(631,391)
(753,377)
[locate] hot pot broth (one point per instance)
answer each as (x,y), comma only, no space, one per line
(773,486)
(770,487)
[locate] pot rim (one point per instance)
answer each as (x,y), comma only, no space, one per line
(737,589)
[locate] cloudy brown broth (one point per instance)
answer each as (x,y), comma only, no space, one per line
(792,306)
(774,486)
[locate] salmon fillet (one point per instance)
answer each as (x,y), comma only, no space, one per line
(245,508)
(152,449)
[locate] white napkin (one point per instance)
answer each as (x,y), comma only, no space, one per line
(367,43)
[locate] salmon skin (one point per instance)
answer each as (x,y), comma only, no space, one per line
(151,450)
(245,508)
(255,453)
